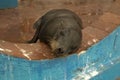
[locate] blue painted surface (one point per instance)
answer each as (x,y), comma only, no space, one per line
(8,4)
(113,73)
(99,62)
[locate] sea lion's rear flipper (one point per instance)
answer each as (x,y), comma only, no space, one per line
(37,26)
(34,39)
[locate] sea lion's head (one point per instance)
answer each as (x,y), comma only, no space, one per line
(65,42)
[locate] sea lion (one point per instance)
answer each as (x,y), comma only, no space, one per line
(60,29)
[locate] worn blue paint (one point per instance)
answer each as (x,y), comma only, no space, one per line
(99,62)
(8,4)
(110,74)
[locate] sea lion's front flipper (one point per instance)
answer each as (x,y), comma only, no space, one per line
(37,26)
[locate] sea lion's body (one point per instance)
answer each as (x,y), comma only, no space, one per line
(60,29)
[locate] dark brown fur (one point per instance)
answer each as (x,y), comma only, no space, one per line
(60,29)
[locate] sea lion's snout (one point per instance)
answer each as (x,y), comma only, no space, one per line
(57,47)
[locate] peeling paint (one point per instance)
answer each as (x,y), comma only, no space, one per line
(95,40)
(17,46)
(101,65)
(3,41)
(21,50)
(87,74)
(5,50)
(90,42)
(111,62)
(110,55)
(82,52)
(1,49)
(24,52)
(44,54)
(8,50)
(31,44)
(27,56)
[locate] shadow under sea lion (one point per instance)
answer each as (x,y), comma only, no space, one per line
(60,29)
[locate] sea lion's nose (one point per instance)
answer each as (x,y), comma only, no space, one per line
(59,51)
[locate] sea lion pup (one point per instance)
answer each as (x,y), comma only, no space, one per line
(60,29)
